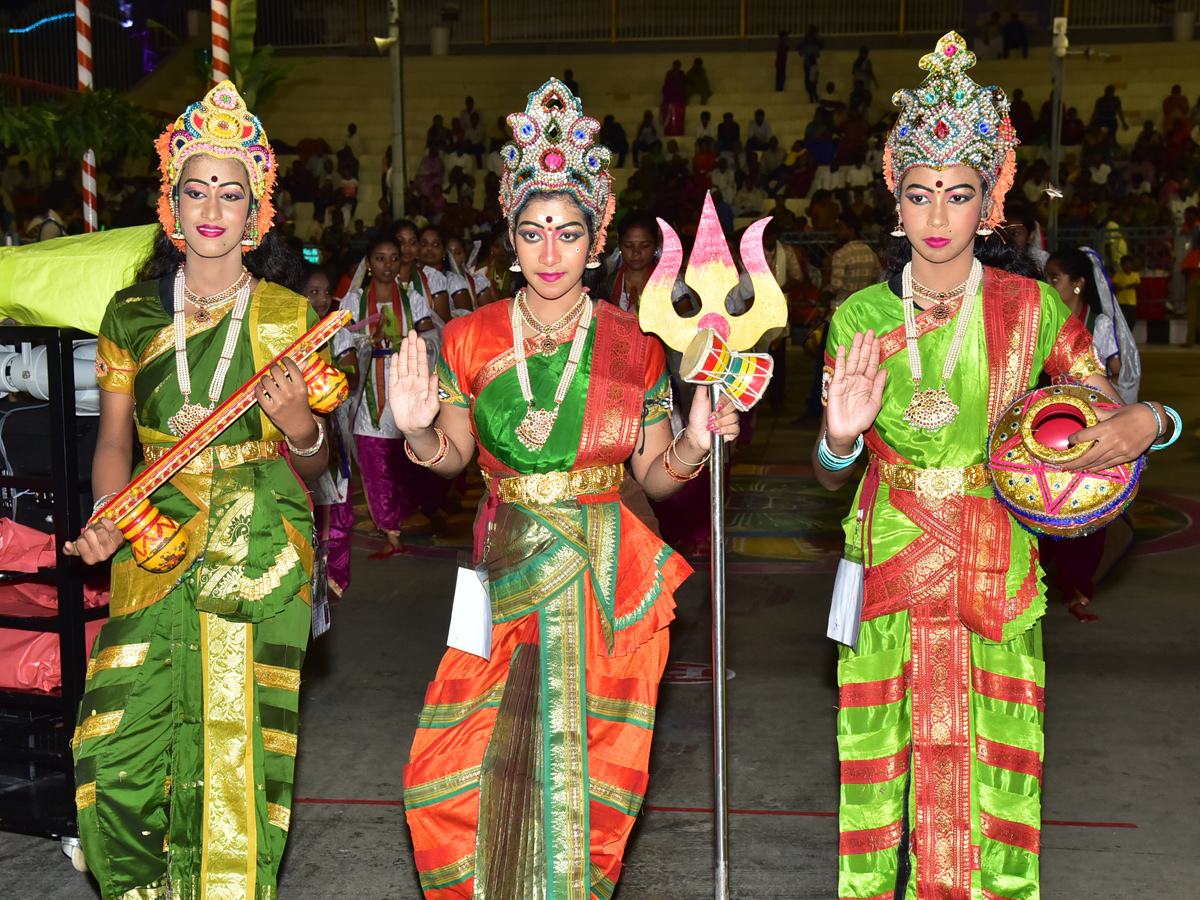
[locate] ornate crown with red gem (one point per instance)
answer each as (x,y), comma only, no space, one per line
(951,121)
(553,149)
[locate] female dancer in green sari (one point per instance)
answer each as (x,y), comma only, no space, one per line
(941,683)
(186,741)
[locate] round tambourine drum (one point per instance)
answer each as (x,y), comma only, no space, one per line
(1029,445)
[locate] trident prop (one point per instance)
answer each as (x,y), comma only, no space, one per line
(711,343)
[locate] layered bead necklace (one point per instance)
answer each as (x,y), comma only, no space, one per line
(534,430)
(932,409)
(192,414)
(547,346)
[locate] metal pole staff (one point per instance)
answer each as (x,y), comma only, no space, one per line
(399,169)
(1056,113)
(720,798)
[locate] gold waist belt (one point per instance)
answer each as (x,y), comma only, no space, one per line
(222,456)
(545,488)
(934,484)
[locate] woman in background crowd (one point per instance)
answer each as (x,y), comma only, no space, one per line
(392,294)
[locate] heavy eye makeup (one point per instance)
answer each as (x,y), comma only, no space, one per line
(919,195)
(229,192)
(568,233)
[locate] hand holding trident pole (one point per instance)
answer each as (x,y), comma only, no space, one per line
(711,344)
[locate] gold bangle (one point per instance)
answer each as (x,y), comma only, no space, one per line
(443,449)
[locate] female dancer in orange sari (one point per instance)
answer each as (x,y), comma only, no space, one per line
(529,767)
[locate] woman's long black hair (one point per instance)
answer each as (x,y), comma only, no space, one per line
(1075,265)
(272,260)
(595,280)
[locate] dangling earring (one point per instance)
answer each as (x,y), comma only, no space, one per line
(250,235)
(983,230)
(176,235)
(898,231)
(516,266)
(593,258)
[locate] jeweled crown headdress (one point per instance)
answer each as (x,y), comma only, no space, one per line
(951,121)
(220,125)
(553,149)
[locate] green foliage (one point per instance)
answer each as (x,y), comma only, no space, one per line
(253,75)
(66,127)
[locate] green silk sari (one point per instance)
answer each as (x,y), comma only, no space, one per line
(186,744)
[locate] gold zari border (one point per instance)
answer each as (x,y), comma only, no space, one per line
(277,677)
(97,726)
(120,656)
(279,816)
(85,795)
(276,741)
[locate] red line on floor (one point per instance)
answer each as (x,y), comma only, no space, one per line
(796,812)
(708,811)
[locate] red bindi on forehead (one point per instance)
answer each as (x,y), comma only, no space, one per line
(214,180)
(937,184)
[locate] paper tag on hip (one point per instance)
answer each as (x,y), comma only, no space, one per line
(471,617)
(845,612)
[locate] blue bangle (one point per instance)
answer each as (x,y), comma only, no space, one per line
(1176,430)
(832,461)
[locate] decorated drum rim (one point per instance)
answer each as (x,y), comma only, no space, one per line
(1033,521)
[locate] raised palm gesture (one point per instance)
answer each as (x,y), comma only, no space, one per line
(856,390)
(412,391)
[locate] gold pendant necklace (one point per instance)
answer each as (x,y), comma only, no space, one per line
(933,409)
(534,429)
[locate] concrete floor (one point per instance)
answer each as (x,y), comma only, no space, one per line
(1122,702)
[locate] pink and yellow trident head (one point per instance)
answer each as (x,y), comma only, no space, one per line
(712,275)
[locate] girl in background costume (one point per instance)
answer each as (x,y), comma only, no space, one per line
(431,250)
(529,767)
(186,742)
(1079,278)
(393,293)
(476,279)
(333,507)
(941,689)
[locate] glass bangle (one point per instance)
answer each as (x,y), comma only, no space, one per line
(1157,418)
(1177,429)
(832,461)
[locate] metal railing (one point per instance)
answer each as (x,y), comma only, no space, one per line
(1122,13)
(38,45)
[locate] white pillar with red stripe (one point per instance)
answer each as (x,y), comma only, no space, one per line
(83,53)
(220,40)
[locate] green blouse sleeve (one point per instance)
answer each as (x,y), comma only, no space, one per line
(657,405)
(116,365)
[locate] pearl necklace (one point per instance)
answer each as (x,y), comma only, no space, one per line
(192,414)
(932,409)
(534,430)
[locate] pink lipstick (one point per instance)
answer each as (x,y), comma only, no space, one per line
(937,242)
(550,276)
(210,231)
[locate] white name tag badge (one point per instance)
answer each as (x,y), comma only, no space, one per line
(471,617)
(845,612)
